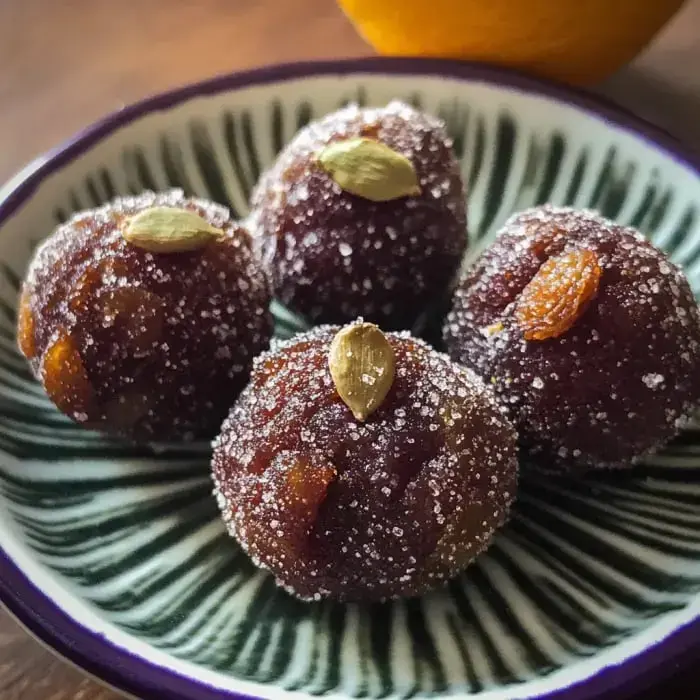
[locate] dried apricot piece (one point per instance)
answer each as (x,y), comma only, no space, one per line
(558,294)
(65,378)
(302,488)
(296,486)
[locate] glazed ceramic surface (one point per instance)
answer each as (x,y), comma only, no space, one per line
(115,555)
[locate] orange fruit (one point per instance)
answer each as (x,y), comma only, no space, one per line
(576,41)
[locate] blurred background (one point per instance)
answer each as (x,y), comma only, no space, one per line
(65,63)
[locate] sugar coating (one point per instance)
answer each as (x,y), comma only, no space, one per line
(150,346)
(363,511)
(333,256)
(620,382)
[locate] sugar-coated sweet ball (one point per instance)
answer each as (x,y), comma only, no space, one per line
(363,466)
(363,214)
(589,334)
(142,318)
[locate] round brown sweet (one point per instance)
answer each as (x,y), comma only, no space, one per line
(388,507)
(590,335)
(334,256)
(146,345)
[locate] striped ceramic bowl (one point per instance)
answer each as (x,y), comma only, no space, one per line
(114,555)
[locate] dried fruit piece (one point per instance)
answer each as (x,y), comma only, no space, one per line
(81,296)
(558,294)
(296,484)
(65,379)
(25,328)
(303,487)
(370,169)
(362,366)
(169,230)
(137,314)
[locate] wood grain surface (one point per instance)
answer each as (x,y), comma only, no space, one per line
(64,63)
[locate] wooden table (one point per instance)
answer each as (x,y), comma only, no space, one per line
(64,63)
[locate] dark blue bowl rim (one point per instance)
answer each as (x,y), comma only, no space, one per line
(132,674)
